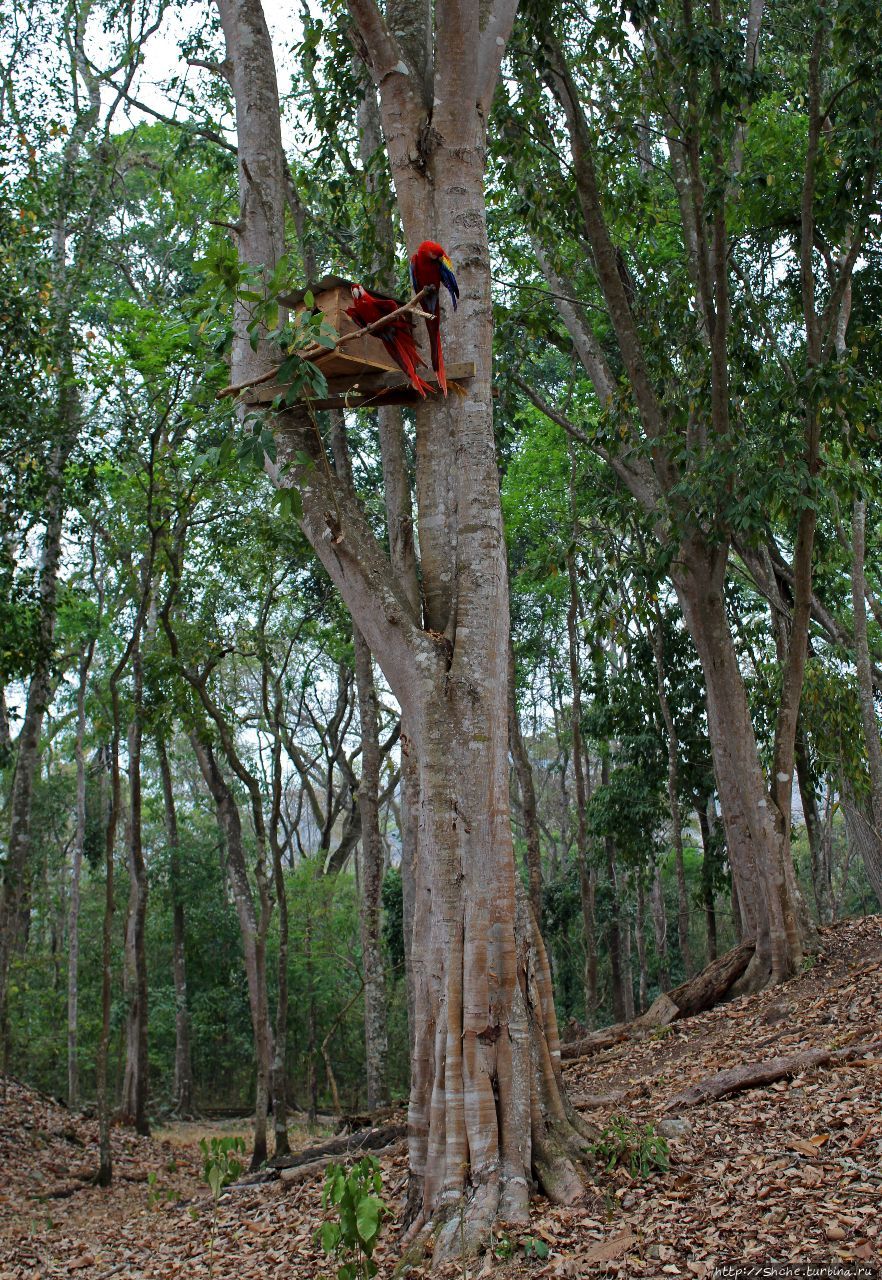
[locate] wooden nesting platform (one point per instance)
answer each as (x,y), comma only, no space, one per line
(361,373)
(363,389)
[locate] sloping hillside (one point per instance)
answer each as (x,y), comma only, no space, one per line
(791,1170)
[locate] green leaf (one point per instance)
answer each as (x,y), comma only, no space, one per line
(367,1218)
(309,299)
(330,1236)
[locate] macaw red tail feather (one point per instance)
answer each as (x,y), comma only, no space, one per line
(403,350)
(434,328)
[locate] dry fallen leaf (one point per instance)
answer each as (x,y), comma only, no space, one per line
(607,1250)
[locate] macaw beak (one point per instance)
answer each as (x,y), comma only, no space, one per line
(448,264)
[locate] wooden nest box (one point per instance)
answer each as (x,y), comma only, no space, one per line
(360,373)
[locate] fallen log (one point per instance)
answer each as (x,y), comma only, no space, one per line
(351,1144)
(756,1075)
(292,1177)
(596,1041)
(294,1169)
(702,992)
(691,997)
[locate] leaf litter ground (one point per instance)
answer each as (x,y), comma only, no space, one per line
(791,1171)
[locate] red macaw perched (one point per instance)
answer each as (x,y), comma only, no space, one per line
(430,265)
(396,337)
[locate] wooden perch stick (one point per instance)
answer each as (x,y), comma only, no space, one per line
(317,353)
(753,1075)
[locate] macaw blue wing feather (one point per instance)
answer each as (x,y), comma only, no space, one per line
(448,279)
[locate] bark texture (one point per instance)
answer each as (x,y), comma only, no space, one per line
(183,1078)
(487,1109)
(869,832)
(253,924)
(135,1081)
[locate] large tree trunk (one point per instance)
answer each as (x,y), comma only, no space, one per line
(487,1109)
(183,1078)
(757,839)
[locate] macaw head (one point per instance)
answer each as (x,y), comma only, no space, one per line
(431,249)
(358,291)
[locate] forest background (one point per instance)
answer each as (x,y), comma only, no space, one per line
(204,821)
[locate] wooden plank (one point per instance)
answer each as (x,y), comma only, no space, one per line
(361,388)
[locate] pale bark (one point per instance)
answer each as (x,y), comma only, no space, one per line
(372,860)
(640,938)
(376,1043)
(14,887)
(660,928)
(757,824)
(586,872)
(767,897)
(133,1108)
(863,838)
(183,1076)
(821,885)
(707,885)
(758,1075)
(486,1104)
(273,715)
(871,842)
(252,926)
(73,918)
(657,641)
(524,773)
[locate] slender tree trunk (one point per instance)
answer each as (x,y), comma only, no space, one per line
(183,1078)
(821,887)
(376,1042)
(280,1055)
(657,640)
(14,887)
(640,932)
(73,919)
(311,1035)
(758,846)
(660,928)
(524,773)
(253,935)
(707,879)
(627,971)
(614,939)
(136,1083)
(586,883)
(871,843)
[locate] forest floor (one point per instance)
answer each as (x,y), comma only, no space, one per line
(785,1173)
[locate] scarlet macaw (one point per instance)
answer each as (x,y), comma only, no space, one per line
(396,337)
(430,265)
